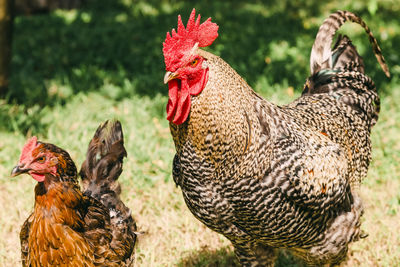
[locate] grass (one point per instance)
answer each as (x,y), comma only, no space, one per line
(72,70)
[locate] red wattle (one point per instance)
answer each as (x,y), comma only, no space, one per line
(173,87)
(183,109)
(179,92)
(37,176)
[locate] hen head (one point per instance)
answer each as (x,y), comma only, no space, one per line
(45,162)
(186,74)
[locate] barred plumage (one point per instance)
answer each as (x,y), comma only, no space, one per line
(321,51)
(268,176)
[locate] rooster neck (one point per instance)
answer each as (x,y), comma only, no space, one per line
(221,116)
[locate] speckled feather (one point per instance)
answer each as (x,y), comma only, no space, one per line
(269,176)
(71,228)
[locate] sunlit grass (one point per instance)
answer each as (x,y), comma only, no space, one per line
(171,235)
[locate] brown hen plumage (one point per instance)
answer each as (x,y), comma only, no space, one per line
(69,227)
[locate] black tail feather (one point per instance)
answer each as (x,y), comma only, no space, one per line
(103,164)
(321,51)
(339,71)
(344,59)
(100,172)
(345,55)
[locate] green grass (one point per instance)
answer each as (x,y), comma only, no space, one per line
(72,70)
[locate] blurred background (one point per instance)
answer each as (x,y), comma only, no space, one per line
(67,65)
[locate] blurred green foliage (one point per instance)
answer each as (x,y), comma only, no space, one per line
(114,48)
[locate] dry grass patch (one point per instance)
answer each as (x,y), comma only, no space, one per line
(171,236)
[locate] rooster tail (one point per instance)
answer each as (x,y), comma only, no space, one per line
(340,70)
(100,172)
(321,53)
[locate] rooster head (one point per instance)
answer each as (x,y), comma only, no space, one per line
(186,74)
(41,160)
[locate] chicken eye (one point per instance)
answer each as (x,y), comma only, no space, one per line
(41,159)
(194,62)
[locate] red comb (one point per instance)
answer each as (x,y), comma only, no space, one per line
(28,147)
(182,41)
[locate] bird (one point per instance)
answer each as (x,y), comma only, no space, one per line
(70,226)
(267,176)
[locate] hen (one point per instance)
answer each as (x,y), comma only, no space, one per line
(69,227)
(268,176)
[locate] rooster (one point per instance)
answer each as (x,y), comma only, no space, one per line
(70,227)
(268,176)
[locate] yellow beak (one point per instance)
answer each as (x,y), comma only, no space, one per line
(169,76)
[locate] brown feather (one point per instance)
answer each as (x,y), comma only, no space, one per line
(71,228)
